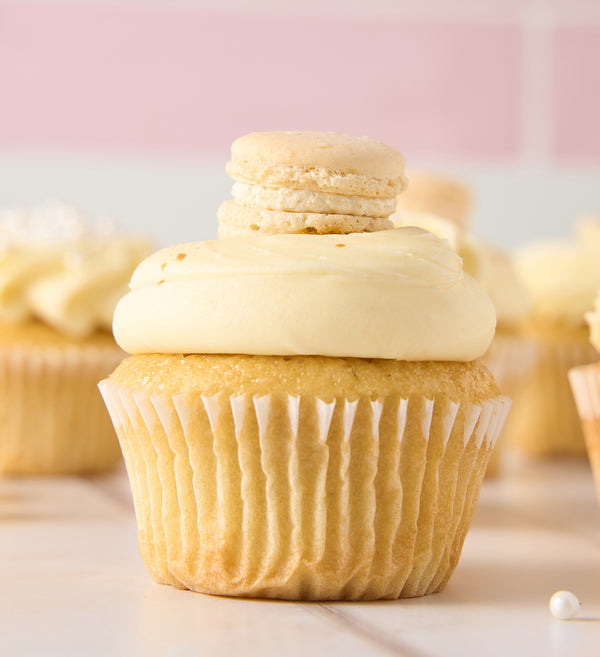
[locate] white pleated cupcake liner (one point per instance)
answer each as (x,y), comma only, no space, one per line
(585,382)
(544,420)
(293,497)
(53,420)
(511,359)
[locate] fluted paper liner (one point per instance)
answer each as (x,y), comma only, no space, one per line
(292,497)
(585,382)
(545,421)
(511,359)
(52,417)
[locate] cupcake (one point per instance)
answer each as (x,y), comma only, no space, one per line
(60,278)
(562,279)
(305,416)
(439,195)
(585,382)
(511,356)
(432,223)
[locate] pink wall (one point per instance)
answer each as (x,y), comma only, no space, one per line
(101,77)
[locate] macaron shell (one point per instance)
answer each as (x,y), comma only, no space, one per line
(314,179)
(233,216)
(327,150)
(318,161)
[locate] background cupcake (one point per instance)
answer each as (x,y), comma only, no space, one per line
(60,278)
(511,356)
(585,382)
(437,194)
(562,279)
(306,417)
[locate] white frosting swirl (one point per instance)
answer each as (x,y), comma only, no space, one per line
(58,267)
(398,294)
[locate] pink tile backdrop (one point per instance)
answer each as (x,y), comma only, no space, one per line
(576,93)
(102,77)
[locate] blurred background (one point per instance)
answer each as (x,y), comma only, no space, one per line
(128,107)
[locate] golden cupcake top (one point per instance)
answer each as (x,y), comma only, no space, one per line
(64,269)
(398,294)
(562,277)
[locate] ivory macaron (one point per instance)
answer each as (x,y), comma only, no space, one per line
(311,182)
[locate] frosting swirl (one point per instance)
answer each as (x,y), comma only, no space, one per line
(490,266)
(61,269)
(397,294)
(494,270)
(562,277)
(432,223)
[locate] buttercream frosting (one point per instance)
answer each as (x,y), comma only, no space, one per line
(494,269)
(593,320)
(285,199)
(490,266)
(587,231)
(430,222)
(562,279)
(397,294)
(64,269)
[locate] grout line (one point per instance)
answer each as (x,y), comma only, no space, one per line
(537,120)
(532,519)
(359,627)
(109,489)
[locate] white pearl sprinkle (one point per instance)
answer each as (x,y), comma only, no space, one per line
(564,605)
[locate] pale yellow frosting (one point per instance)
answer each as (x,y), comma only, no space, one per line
(56,268)
(494,269)
(490,266)
(398,294)
(562,279)
(433,223)
(587,231)
(593,320)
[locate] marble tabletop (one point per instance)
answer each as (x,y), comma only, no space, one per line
(73,584)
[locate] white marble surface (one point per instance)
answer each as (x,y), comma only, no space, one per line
(72,583)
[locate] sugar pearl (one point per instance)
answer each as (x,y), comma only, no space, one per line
(564,605)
